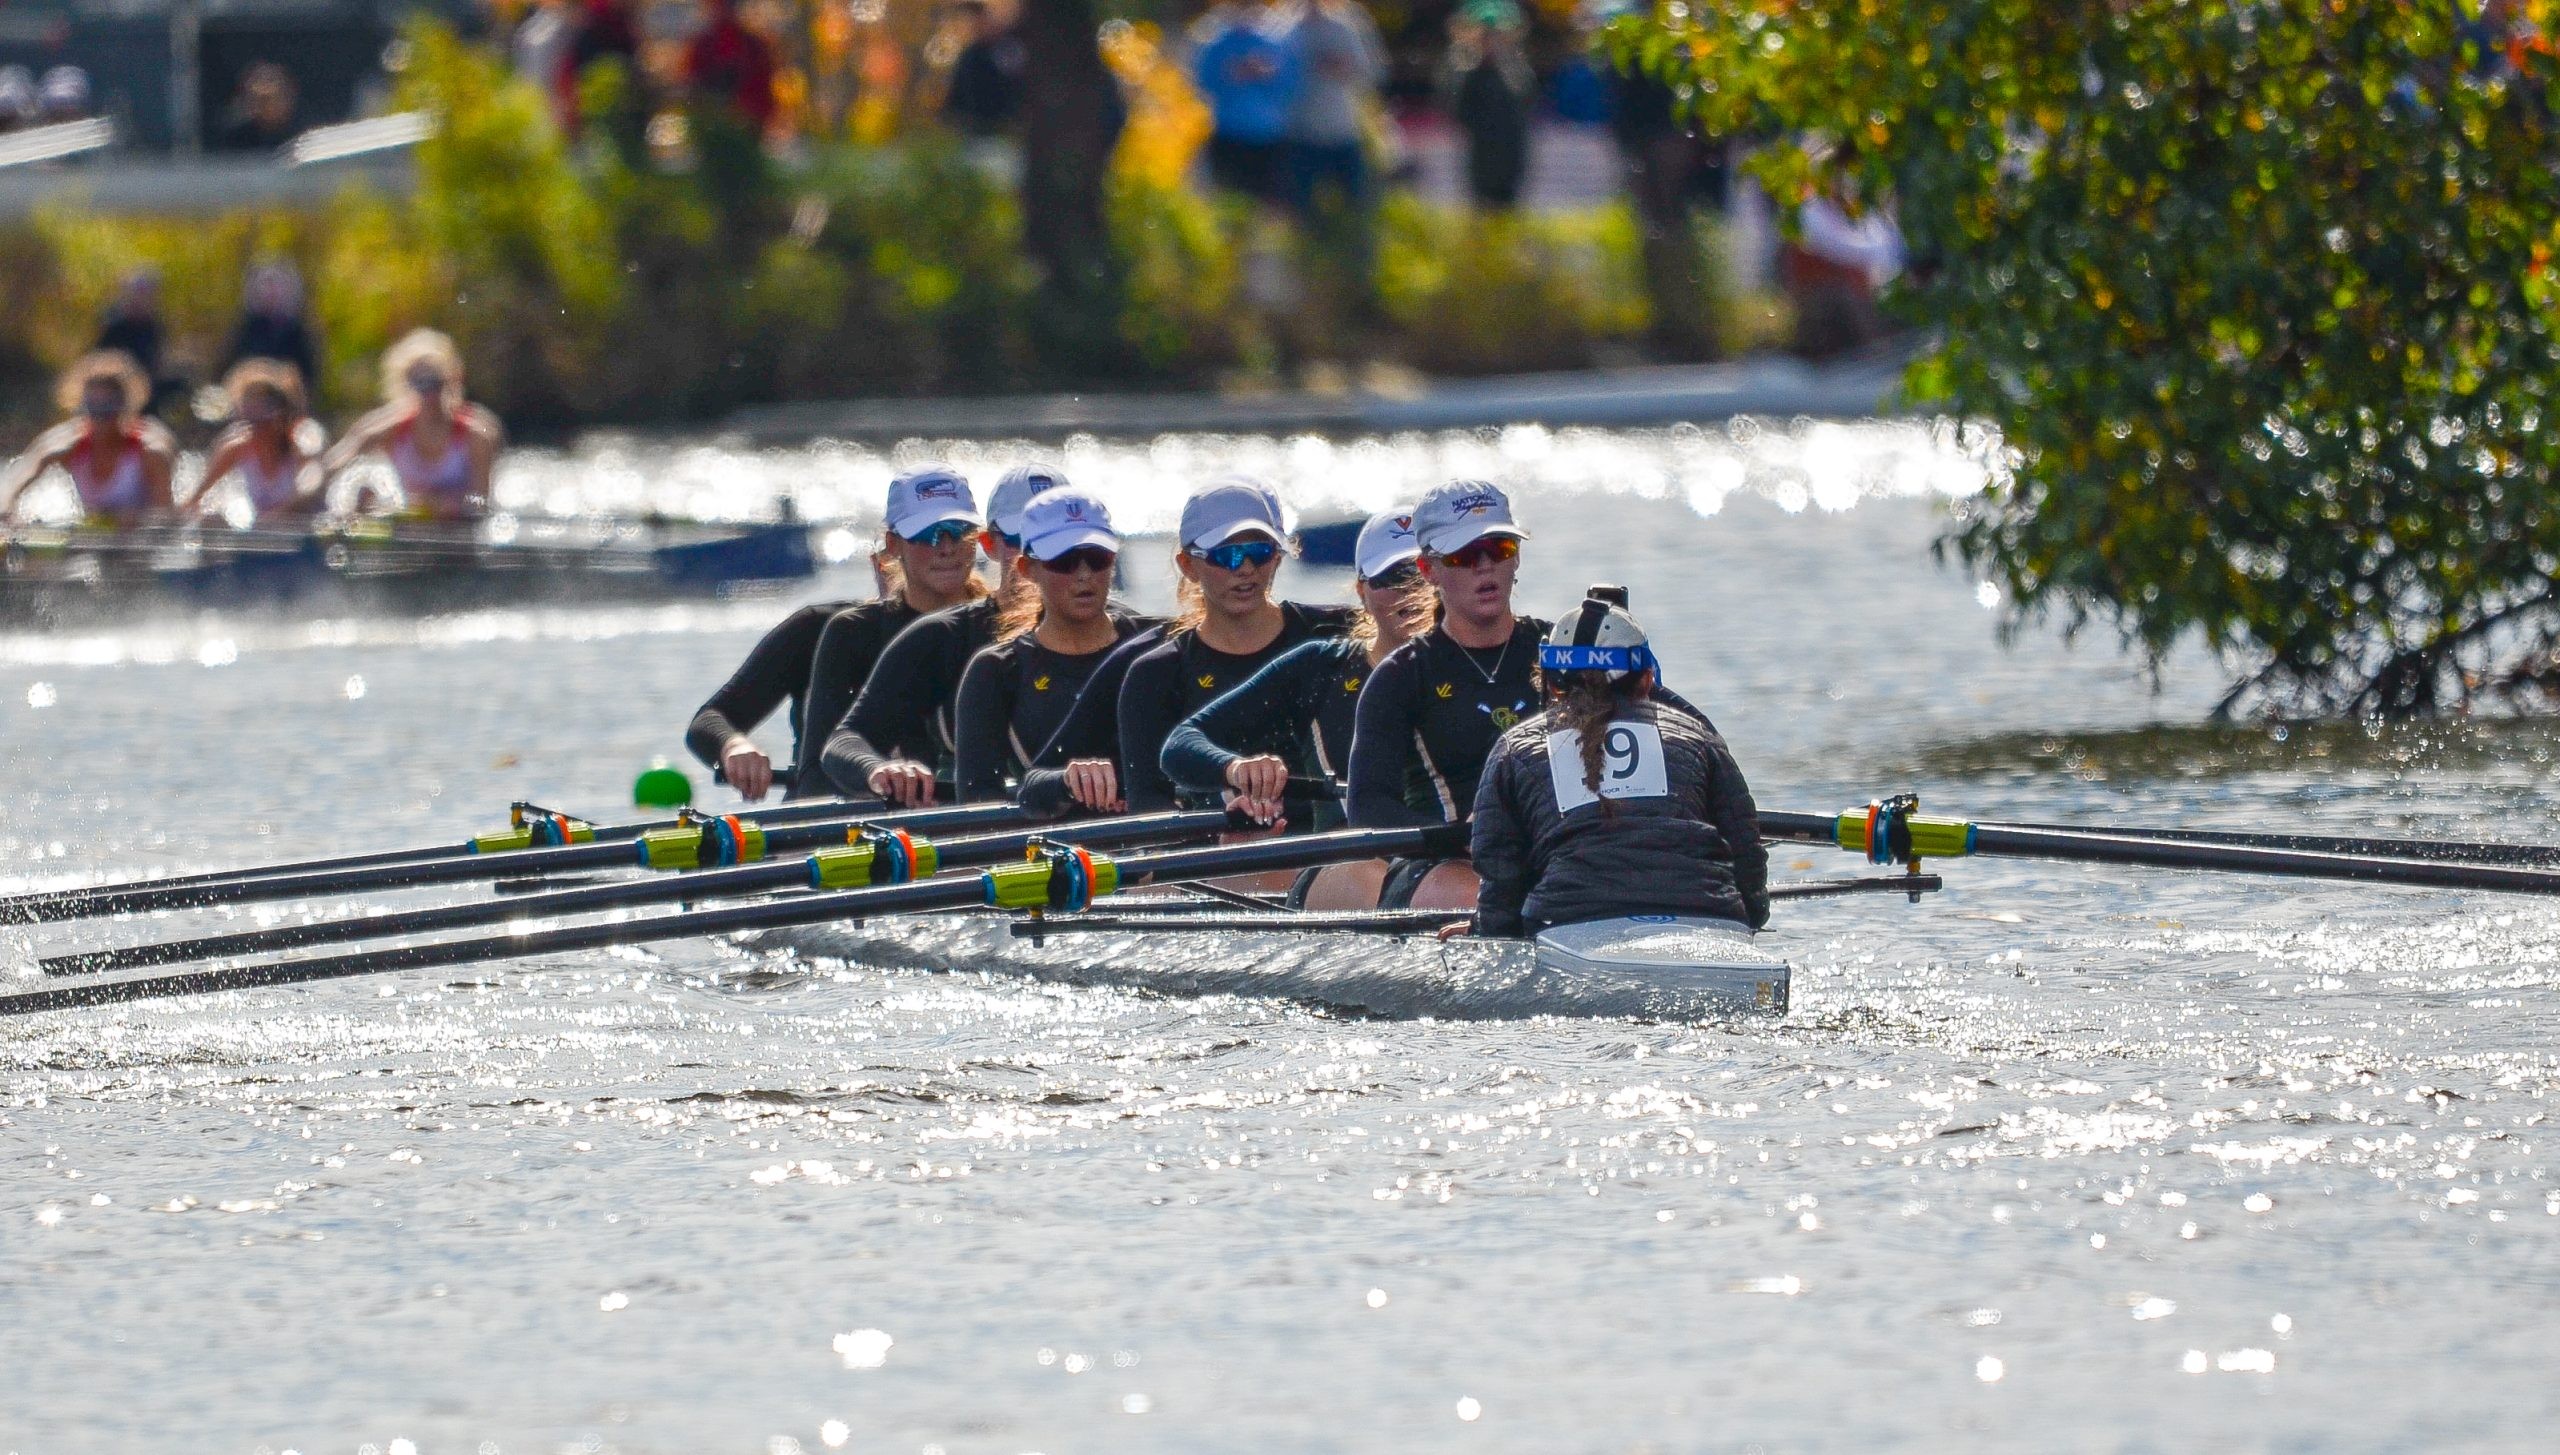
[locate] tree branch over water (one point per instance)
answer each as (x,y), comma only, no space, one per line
(2260,295)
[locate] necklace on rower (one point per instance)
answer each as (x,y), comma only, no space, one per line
(1500,657)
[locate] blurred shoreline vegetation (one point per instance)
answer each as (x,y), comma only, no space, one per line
(2259,294)
(589,281)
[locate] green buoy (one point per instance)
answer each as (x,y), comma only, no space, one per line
(662,785)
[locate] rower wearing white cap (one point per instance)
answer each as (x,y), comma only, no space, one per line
(1294,717)
(928,559)
(851,645)
(1049,637)
(1609,805)
(1228,548)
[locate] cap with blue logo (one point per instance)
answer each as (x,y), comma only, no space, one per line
(1597,637)
(1058,521)
(1014,491)
(1457,515)
(921,499)
(1229,508)
(1385,543)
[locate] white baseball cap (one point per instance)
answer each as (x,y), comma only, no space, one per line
(1014,491)
(1058,521)
(921,499)
(1460,513)
(1386,542)
(1229,508)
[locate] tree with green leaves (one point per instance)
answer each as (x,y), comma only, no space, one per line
(2258,293)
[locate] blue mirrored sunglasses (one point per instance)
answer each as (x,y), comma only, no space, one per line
(1236,555)
(942,533)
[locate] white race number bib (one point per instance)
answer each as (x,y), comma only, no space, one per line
(1630,765)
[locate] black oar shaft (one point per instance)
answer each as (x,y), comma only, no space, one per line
(22,908)
(2097,847)
(817,908)
(466,868)
(626,894)
(2471,851)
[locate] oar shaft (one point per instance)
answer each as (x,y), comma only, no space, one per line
(2539,856)
(700,885)
(816,908)
(29,908)
(466,868)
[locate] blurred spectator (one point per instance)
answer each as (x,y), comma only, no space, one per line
(1340,62)
(271,322)
(542,49)
(1670,173)
(63,95)
(261,116)
(133,328)
(1490,87)
(18,105)
(985,94)
(728,64)
(1250,78)
(1843,256)
(605,33)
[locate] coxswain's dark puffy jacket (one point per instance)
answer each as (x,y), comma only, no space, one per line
(1694,852)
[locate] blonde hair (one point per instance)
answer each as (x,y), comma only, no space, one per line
(276,377)
(1022,606)
(893,572)
(111,365)
(421,345)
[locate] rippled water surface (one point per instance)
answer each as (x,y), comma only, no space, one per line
(2063,1158)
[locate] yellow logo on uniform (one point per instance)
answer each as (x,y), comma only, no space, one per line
(1350,684)
(1444,691)
(1040,683)
(1505,719)
(1208,679)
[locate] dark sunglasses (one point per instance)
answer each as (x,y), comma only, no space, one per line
(994,538)
(942,533)
(1483,552)
(1236,555)
(1397,578)
(1083,558)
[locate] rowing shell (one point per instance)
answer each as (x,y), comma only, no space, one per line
(1653,967)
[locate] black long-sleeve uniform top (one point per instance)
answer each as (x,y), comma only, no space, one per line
(1300,707)
(1181,676)
(904,709)
(1427,718)
(1092,725)
(1693,849)
(848,650)
(1013,698)
(1432,711)
(775,671)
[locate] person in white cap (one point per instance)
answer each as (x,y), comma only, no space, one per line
(1013,493)
(820,655)
(1294,717)
(1049,638)
(1609,805)
(1227,549)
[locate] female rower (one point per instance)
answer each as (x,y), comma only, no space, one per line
(1228,551)
(117,459)
(270,445)
(928,557)
(1610,804)
(1295,715)
(850,646)
(1048,642)
(440,446)
(1434,708)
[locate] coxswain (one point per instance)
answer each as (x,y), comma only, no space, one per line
(854,639)
(1228,549)
(269,447)
(1295,716)
(1611,803)
(440,446)
(119,461)
(1048,641)
(928,559)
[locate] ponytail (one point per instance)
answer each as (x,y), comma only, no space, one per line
(1586,703)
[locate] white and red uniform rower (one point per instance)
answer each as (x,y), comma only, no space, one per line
(118,460)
